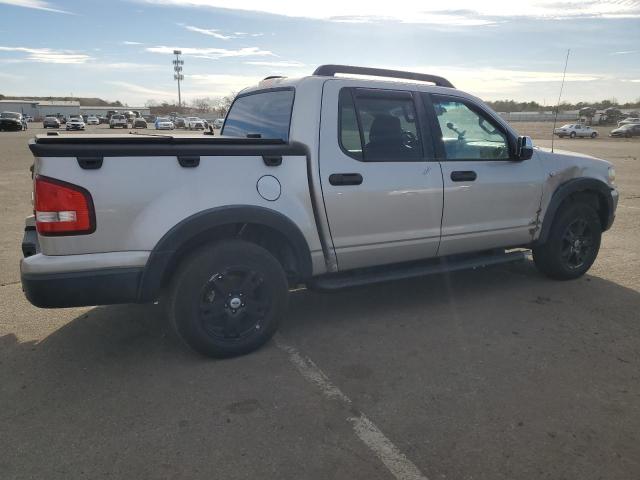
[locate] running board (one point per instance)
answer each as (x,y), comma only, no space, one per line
(385,273)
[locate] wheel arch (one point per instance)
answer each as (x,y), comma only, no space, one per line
(591,189)
(233,221)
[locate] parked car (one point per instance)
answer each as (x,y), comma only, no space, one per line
(163,123)
(103,120)
(75,123)
(179,122)
(628,131)
(139,123)
(217,123)
(194,123)
(92,120)
(118,120)
(28,118)
(629,120)
(51,122)
(11,122)
(575,130)
(294,200)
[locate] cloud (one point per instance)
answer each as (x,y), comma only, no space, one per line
(47,55)
(625,52)
(210,32)
(215,33)
(466,12)
(212,53)
(36,4)
(128,42)
(142,90)
(278,64)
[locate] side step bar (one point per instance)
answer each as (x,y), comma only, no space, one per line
(353,278)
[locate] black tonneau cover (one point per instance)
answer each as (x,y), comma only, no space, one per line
(158,145)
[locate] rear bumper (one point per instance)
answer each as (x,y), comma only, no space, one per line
(54,281)
(79,289)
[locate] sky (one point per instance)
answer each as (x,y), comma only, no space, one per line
(122,49)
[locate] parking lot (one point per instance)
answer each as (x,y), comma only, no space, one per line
(490,374)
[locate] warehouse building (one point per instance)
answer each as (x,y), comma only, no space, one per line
(25,107)
(38,109)
(57,108)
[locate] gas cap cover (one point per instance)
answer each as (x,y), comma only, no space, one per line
(269,188)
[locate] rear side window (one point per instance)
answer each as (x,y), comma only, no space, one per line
(265,114)
(379,127)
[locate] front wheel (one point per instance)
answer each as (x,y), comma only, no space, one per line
(227,298)
(572,135)
(573,243)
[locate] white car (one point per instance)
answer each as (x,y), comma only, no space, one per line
(164,124)
(574,130)
(118,120)
(75,124)
(93,120)
(218,123)
(629,121)
(194,123)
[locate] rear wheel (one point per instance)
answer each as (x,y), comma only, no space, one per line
(573,243)
(572,135)
(228,298)
(594,134)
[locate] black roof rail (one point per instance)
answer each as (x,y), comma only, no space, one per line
(331,70)
(271,77)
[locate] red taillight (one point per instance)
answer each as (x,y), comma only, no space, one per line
(62,208)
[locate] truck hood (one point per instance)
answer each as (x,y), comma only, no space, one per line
(567,165)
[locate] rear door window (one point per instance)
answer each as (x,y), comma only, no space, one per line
(265,114)
(379,126)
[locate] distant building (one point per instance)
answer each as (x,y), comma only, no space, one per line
(56,108)
(39,109)
(25,107)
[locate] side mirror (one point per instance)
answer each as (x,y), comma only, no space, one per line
(524,149)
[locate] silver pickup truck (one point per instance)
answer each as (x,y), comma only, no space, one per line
(326,181)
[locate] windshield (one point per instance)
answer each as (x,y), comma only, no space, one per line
(267,114)
(10,115)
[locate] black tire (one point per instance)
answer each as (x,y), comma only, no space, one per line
(594,135)
(215,279)
(572,135)
(573,243)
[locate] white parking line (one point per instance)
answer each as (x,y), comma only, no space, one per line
(396,462)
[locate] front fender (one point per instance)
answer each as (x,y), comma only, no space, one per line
(605,194)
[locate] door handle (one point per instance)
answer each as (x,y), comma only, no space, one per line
(345,179)
(464,176)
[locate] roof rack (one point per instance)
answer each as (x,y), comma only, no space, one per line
(271,77)
(331,70)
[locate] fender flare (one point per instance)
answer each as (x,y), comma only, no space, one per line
(162,255)
(570,187)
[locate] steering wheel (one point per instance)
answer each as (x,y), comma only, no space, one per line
(409,139)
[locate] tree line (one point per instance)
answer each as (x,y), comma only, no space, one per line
(513,106)
(217,106)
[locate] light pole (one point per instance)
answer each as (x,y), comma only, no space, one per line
(177,68)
